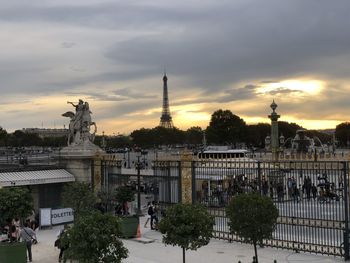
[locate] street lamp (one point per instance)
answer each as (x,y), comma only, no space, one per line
(128,158)
(139,167)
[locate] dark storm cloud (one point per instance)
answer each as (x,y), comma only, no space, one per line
(248,92)
(276,39)
(211,46)
(66,85)
(127,107)
(214,44)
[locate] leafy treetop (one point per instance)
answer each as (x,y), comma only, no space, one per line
(124,194)
(252,217)
(187,226)
(15,202)
(93,238)
(79,196)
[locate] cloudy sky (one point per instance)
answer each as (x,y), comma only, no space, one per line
(229,54)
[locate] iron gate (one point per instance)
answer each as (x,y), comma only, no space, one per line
(312,197)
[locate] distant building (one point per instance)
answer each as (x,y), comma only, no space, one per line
(46,132)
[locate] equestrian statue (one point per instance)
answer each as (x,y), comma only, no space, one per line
(80,123)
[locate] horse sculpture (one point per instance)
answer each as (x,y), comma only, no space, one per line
(80,124)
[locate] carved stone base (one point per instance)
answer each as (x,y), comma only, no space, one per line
(84,149)
(80,159)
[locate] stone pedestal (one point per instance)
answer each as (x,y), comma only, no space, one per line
(83,161)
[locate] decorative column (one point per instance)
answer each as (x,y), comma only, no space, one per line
(186,177)
(274,131)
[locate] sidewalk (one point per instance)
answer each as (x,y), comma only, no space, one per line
(156,252)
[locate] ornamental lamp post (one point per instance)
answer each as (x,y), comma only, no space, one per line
(274,131)
(138,168)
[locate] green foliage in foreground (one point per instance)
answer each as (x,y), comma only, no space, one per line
(124,194)
(93,239)
(187,226)
(79,196)
(15,202)
(252,217)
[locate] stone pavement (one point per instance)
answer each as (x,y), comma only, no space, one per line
(156,252)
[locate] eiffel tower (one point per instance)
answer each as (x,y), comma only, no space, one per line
(166,120)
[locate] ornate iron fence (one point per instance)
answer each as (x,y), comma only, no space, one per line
(312,197)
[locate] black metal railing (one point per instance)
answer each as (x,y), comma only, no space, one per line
(312,198)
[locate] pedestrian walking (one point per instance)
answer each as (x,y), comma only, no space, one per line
(154,217)
(28,235)
(314,191)
(58,242)
(149,213)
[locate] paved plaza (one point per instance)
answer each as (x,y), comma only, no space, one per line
(157,252)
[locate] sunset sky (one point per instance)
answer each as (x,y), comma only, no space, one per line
(230,54)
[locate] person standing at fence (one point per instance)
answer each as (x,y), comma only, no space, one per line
(314,191)
(271,190)
(280,192)
(265,187)
(296,194)
(307,186)
(290,187)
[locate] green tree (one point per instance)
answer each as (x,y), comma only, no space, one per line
(94,239)
(119,141)
(187,226)
(3,137)
(54,141)
(124,194)
(342,133)
(142,137)
(157,136)
(256,134)
(194,135)
(252,217)
(79,196)
(15,202)
(288,129)
(225,128)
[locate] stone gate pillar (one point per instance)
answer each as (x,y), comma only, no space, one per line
(186,177)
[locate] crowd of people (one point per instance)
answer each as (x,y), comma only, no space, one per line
(15,231)
(280,189)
